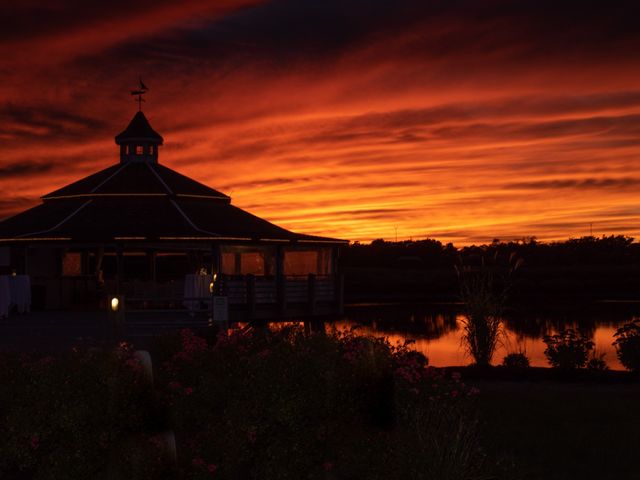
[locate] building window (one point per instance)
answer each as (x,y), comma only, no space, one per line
(252,263)
(139,150)
(300,263)
(305,262)
(72,264)
(229,263)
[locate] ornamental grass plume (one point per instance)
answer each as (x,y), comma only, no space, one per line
(484,290)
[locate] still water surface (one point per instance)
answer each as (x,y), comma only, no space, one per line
(437,329)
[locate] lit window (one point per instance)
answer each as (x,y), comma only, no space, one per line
(229,263)
(252,263)
(72,264)
(139,150)
(301,263)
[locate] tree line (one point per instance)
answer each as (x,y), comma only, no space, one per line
(613,250)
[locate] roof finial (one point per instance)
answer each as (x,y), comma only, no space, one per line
(141,91)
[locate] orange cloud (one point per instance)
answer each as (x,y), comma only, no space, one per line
(456,124)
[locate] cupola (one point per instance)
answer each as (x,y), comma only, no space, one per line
(139,142)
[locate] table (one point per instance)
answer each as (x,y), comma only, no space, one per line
(15,290)
(5,296)
(196,290)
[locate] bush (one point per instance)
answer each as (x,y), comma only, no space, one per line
(70,416)
(516,361)
(597,364)
(627,343)
(287,405)
(567,350)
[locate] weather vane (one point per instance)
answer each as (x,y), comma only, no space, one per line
(140,92)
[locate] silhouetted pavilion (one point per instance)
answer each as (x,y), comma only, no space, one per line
(139,229)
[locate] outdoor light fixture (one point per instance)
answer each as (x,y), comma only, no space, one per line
(213,283)
(115,303)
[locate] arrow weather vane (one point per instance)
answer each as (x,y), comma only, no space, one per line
(140,92)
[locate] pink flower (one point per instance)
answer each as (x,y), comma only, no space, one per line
(47,360)
(188,391)
(192,343)
(134,364)
(198,462)
(212,467)
(264,353)
(454,393)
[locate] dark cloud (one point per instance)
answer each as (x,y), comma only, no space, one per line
(20,123)
(585,183)
(20,169)
(279,34)
(10,206)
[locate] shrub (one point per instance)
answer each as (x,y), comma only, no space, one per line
(567,350)
(627,343)
(516,361)
(597,363)
(68,416)
(288,405)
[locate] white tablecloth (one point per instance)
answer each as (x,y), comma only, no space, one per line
(196,286)
(15,290)
(5,296)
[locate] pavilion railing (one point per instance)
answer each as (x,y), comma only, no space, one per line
(303,292)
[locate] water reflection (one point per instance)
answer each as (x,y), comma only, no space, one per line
(436,329)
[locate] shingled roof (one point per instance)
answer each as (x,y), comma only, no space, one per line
(138,201)
(139,128)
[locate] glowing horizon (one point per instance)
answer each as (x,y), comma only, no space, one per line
(459,123)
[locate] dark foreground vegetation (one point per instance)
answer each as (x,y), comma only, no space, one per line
(583,268)
(286,405)
(550,430)
(265,405)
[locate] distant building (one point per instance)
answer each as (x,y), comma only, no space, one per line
(141,230)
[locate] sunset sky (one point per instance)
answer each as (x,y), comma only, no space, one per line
(461,121)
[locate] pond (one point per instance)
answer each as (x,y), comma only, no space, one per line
(436,329)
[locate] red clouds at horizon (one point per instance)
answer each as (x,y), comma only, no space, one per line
(458,123)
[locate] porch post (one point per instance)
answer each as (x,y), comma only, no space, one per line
(338,282)
(280,280)
(119,268)
(151,257)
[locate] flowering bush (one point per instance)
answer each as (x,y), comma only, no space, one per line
(567,350)
(627,343)
(74,415)
(287,405)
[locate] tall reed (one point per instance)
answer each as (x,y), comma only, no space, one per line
(484,289)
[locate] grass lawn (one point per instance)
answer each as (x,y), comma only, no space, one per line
(553,430)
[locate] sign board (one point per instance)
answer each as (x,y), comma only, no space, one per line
(220,309)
